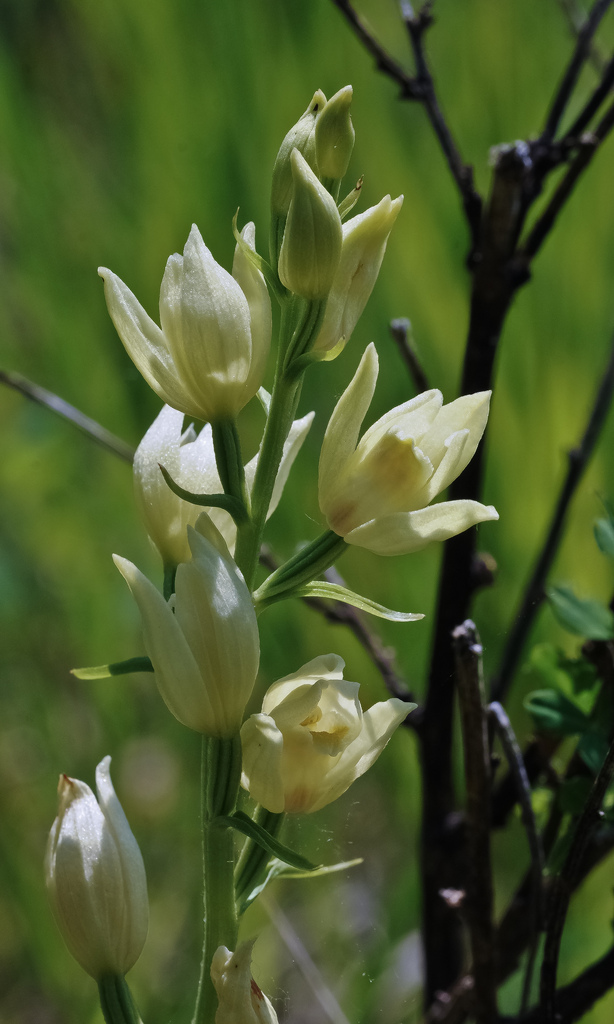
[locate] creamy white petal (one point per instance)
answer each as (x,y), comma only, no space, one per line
(293,444)
(470,412)
(411,531)
(411,419)
(325,666)
(177,674)
(448,468)
(143,340)
(378,725)
(214,611)
(262,744)
(136,907)
(343,429)
(254,288)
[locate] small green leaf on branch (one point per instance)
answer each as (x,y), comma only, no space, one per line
(581,616)
(553,712)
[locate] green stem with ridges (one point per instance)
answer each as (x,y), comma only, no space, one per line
(229,460)
(309,562)
(221,773)
(300,324)
(116,1001)
(251,866)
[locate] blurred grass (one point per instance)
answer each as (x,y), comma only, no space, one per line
(120,124)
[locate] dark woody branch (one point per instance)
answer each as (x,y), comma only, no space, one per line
(478,905)
(421,89)
(582,51)
(500,263)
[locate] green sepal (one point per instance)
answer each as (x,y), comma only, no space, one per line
(582,617)
(277,869)
(347,205)
(230,504)
(310,561)
(334,592)
(259,263)
(116,668)
(247,827)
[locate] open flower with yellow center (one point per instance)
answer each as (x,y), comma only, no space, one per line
(190,459)
(209,356)
(312,739)
(376,492)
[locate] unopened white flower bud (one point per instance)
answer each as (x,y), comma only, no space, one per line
(95,877)
(302,137)
(311,245)
(335,135)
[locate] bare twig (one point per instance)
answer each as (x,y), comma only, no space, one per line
(574,1000)
(300,954)
(578,459)
(400,331)
(581,53)
(592,106)
(515,759)
(587,147)
(565,883)
(421,89)
(576,19)
(478,908)
(88,426)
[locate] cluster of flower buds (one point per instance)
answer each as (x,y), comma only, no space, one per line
(207,360)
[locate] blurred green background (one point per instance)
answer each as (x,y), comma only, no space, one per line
(121,123)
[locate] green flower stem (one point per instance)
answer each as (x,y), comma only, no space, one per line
(221,773)
(309,562)
(116,1001)
(229,460)
(300,324)
(170,572)
(251,866)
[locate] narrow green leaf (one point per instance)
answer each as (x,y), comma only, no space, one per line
(583,617)
(117,668)
(325,869)
(244,824)
(604,535)
(332,591)
(554,712)
(230,504)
